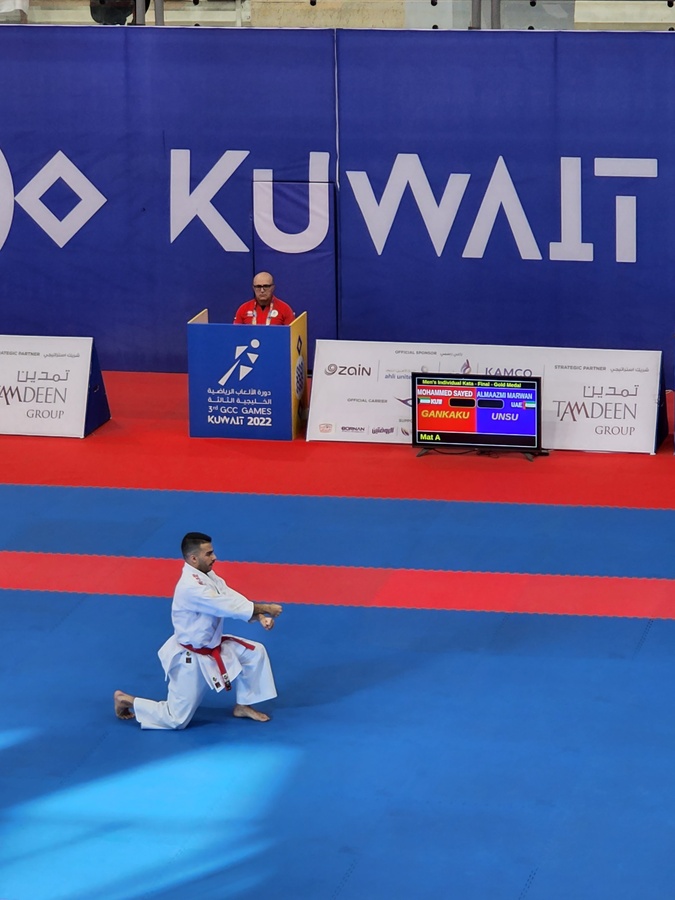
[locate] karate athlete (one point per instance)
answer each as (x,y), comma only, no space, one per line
(198,656)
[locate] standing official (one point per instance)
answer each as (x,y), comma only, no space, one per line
(264,308)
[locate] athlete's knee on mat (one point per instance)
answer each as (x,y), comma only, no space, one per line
(179,712)
(178,726)
(179,716)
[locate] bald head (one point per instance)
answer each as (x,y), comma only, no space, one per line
(263,288)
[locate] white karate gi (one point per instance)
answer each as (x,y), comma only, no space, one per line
(200,602)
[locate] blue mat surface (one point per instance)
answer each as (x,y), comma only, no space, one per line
(411,754)
(406,534)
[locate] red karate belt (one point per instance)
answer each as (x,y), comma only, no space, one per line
(216,654)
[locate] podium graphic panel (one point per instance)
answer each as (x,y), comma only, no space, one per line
(242,379)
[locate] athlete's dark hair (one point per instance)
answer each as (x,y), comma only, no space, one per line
(193,541)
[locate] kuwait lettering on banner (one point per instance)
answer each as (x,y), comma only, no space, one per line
(592,399)
(191,198)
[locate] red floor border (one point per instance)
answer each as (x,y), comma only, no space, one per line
(146,445)
(349,586)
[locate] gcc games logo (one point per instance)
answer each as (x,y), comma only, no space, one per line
(244,369)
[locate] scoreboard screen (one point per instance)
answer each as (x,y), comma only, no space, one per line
(476,411)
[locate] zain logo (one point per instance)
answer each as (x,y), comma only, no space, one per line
(244,369)
(59,167)
(358,369)
(466,367)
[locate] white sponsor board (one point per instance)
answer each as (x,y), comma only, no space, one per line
(592,399)
(44,383)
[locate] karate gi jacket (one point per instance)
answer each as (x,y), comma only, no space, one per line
(200,603)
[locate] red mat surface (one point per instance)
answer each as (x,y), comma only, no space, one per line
(146,445)
(345,586)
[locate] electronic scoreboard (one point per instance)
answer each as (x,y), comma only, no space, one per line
(476,412)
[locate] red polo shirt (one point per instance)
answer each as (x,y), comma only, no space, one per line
(275,313)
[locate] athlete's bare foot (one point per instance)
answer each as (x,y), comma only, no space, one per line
(247,712)
(124,705)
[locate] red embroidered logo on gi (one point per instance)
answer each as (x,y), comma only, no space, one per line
(198,579)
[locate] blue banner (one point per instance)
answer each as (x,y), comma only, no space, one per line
(501,188)
(507,188)
(126,169)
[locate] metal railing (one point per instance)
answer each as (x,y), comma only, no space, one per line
(638,15)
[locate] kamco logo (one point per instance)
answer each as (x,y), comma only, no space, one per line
(508,373)
(29,198)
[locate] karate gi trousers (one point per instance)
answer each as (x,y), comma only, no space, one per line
(191,675)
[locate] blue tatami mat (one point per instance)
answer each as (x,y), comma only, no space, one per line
(338,531)
(472,756)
